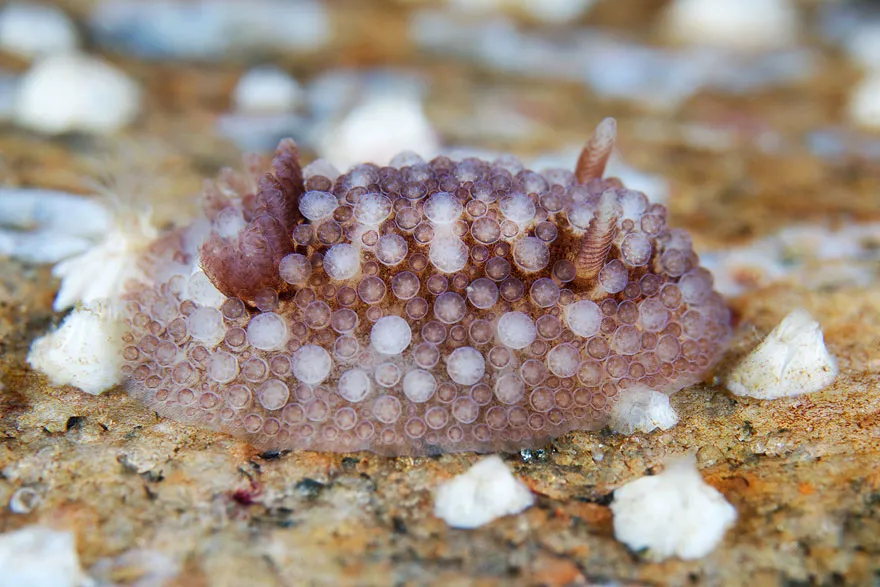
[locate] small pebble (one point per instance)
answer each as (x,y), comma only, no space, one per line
(267,90)
(209,29)
(24,501)
(36,30)
(53,211)
(863,45)
(557,11)
(77,92)
(735,24)
(864,102)
(545,11)
(378,129)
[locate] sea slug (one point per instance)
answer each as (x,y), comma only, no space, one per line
(417,308)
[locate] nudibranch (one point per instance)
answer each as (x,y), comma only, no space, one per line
(417,308)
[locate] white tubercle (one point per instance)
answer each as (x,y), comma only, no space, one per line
(229,222)
(442,208)
(342,261)
(653,315)
(295,268)
(390,335)
(531,254)
(273,394)
(518,208)
(267,331)
(316,205)
(222,367)
(466,365)
(580,215)
(790,361)
(406,158)
(200,290)
(674,513)
(391,249)
(449,307)
(482,293)
(487,491)
(85,351)
(516,330)
(354,385)
(311,364)
(205,325)
(509,388)
(563,360)
(639,409)
(583,318)
(448,254)
(320,167)
(419,385)
(372,209)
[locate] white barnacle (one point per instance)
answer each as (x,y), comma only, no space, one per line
(643,410)
(487,491)
(791,360)
(674,513)
(100,272)
(85,351)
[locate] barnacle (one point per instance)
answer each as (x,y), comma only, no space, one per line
(419,307)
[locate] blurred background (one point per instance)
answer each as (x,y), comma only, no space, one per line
(740,115)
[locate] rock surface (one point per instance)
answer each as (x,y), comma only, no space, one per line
(209,510)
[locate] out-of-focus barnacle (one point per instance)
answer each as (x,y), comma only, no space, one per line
(420,307)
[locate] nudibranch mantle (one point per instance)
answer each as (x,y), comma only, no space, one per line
(418,308)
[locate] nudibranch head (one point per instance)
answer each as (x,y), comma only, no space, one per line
(420,307)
